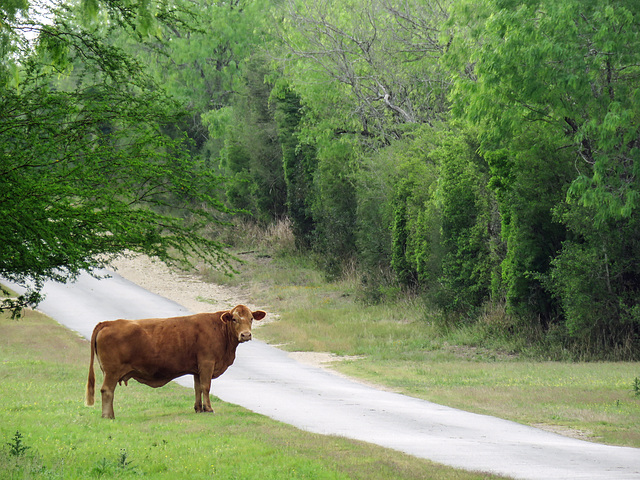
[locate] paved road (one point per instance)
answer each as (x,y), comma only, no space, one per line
(265,380)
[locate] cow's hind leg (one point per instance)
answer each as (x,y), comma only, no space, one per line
(196,386)
(107,390)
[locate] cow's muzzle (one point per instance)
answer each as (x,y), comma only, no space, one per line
(244,337)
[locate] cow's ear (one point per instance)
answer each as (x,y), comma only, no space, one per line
(259,314)
(226,317)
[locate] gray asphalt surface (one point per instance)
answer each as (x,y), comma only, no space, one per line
(265,380)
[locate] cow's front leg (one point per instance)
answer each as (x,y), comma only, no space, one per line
(206,372)
(196,386)
(206,399)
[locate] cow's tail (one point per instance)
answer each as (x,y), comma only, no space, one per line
(91,380)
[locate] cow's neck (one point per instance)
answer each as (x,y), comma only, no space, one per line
(231,343)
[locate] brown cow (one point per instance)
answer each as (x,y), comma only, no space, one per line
(155,351)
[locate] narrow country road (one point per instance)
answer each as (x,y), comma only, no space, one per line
(267,381)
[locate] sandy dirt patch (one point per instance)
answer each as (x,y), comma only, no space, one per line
(320,358)
(183,288)
(586,435)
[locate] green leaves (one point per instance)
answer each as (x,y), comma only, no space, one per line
(86,171)
(80,177)
(572,65)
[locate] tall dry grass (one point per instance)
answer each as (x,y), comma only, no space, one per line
(269,239)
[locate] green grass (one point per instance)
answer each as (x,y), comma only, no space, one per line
(403,346)
(43,370)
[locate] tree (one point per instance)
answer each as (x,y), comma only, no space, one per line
(334,204)
(470,223)
(416,256)
(366,74)
(211,63)
(596,280)
(384,56)
(445,231)
(299,164)
(554,86)
(573,66)
(199,58)
(86,172)
(251,157)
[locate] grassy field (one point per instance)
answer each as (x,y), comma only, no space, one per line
(47,432)
(401,347)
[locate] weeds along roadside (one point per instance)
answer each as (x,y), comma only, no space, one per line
(492,365)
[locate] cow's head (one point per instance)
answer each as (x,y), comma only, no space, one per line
(240,319)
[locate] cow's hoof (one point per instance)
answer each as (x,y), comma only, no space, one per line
(203,410)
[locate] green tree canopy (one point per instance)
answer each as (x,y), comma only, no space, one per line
(86,170)
(573,66)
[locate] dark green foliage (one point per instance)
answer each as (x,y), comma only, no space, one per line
(251,154)
(596,278)
(415,227)
(470,225)
(17,447)
(479,153)
(405,272)
(261,135)
(554,90)
(210,64)
(299,164)
(375,184)
(445,228)
(528,186)
(334,207)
